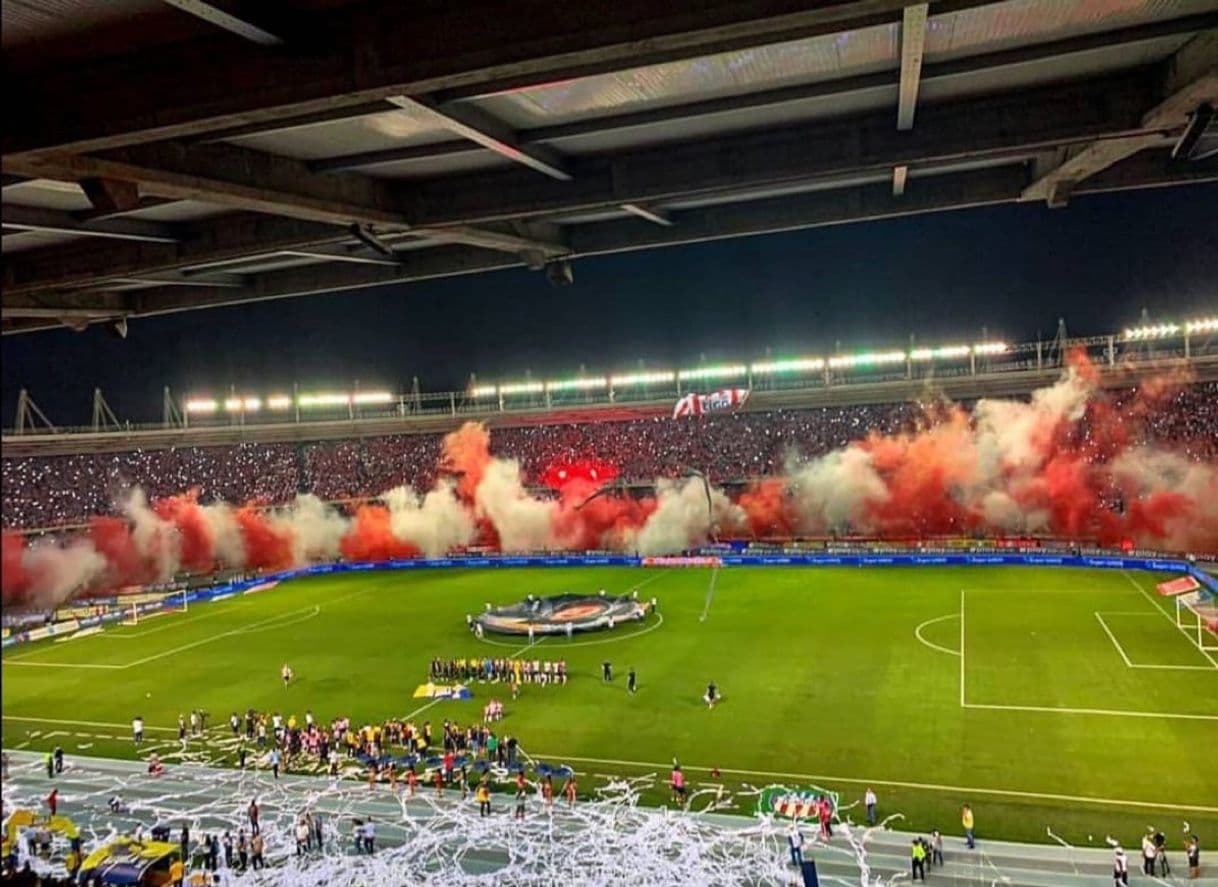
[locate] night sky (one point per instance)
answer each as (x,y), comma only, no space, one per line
(1013,269)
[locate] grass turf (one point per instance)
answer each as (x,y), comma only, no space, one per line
(834,677)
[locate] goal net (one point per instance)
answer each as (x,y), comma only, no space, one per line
(170,603)
(1197,617)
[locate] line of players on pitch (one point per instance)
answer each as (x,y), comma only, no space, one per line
(515,671)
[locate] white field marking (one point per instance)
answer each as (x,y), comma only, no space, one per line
(60,664)
(710,594)
(530,645)
(316,610)
(1107,712)
(1099,615)
(962,704)
(241,630)
(934,646)
(422,709)
(1115,642)
(147,729)
(136,635)
(1176,667)
(1167,616)
(963,791)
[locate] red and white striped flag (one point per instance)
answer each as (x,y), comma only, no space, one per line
(697,404)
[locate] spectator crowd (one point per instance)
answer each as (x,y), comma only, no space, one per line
(60,490)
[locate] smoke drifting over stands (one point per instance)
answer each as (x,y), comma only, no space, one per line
(1135,466)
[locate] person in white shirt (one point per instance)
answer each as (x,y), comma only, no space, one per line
(795,841)
(1149,851)
(1120,868)
(869,800)
(137,729)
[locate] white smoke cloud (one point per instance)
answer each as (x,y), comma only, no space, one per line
(157,541)
(835,491)
(228,545)
(682,519)
(58,573)
(522,522)
(316,529)
(435,524)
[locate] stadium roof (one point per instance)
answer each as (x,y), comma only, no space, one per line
(164,155)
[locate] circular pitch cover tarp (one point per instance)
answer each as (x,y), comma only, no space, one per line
(562,613)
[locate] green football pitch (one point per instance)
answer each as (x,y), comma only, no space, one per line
(1062,698)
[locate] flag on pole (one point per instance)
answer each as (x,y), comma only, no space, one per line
(717,401)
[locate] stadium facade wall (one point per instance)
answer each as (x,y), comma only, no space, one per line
(1163,565)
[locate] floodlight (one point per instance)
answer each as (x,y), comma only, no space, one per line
(324,400)
(869,358)
(202,405)
(713,372)
(1202,325)
(483,391)
(989,348)
(945,352)
(372,397)
(522,388)
(796,365)
(588,384)
(1154,331)
(642,379)
(279,402)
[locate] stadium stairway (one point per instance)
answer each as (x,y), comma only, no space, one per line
(215,800)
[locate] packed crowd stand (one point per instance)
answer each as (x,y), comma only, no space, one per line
(58,490)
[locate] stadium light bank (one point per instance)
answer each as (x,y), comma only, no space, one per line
(793,366)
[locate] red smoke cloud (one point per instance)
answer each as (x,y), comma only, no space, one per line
(266,547)
(371,537)
(588,471)
(196,538)
(466,453)
(113,539)
(16,580)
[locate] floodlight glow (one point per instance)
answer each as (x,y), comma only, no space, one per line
(642,379)
(371,397)
(990,348)
(797,365)
(1155,331)
(577,384)
(483,391)
(202,405)
(1203,325)
(324,400)
(715,372)
(946,352)
(870,358)
(279,402)
(522,388)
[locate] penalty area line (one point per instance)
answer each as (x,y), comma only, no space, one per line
(957,789)
(932,644)
(1106,712)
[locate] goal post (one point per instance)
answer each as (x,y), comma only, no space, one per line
(1197,617)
